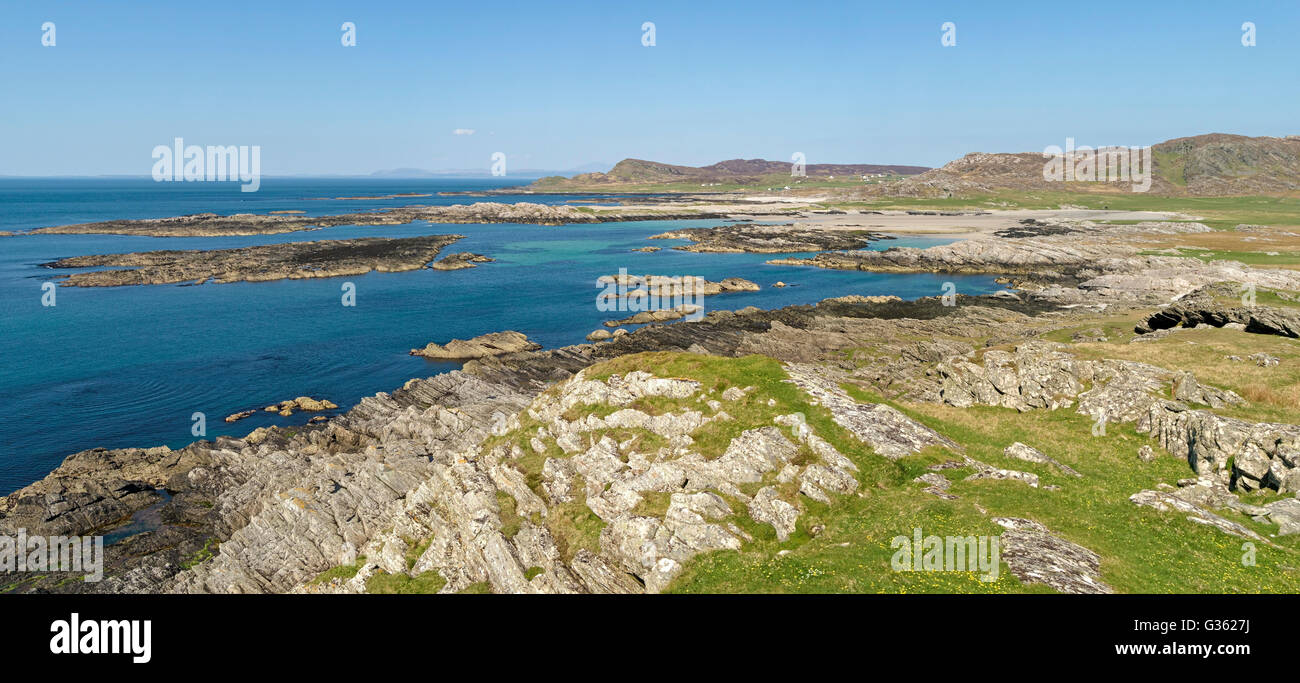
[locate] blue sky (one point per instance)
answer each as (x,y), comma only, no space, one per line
(558,85)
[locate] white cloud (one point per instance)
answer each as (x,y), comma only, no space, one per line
(463,131)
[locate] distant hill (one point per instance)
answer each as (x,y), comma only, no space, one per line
(1215,164)
(730,172)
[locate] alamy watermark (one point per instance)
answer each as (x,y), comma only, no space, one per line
(77,636)
(1099,420)
(922,553)
(1248,297)
(215,163)
(50,554)
(798,165)
(949,296)
(643,293)
(1105,165)
(948,35)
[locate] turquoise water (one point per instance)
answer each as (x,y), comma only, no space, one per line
(128,366)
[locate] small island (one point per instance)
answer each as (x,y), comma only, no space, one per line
(290,261)
(482,346)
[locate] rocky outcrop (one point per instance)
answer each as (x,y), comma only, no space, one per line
(214,225)
(287,408)
(1036,555)
(482,346)
(860,299)
(891,433)
(247,224)
(305,403)
(1020,451)
(769,239)
(290,260)
(632,287)
(659,315)
(460,261)
(1205,307)
(1042,375)
(1081,263)
(660,298)
(276,508)
(1165,501)
(936,485)
(1245,455)
(1284,513)
(459,509)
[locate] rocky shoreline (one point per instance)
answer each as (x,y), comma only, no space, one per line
(272,499)
(769,239)
(281,506)
(1069,261)
(292,260)
(482,465)
(214,225)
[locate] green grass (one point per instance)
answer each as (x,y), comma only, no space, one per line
(852,553)
(343,572)
(202,554)
(717,374)
(1272,393)
(1142,550)
(426,583)
(511,521)
(1172,166)
(846,546)
(1217,212)
(415,550)
(1250,258)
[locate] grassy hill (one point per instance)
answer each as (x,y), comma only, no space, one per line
(642,175)
(1212,165)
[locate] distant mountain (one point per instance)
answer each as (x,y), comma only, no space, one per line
(731,172)
(1215,164)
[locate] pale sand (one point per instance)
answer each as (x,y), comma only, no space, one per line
(969,226)
(973,225)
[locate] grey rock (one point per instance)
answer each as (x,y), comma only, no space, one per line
(768,508)
(1020,451)
(1036,555)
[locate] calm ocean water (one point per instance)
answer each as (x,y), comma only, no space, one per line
(128,366)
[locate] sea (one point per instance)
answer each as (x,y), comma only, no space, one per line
(132,366)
